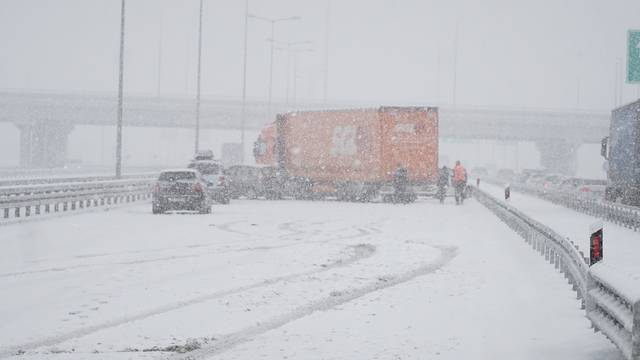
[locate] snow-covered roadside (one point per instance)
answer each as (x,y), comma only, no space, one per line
(301,279)
(621,246)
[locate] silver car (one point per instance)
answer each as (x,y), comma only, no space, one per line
(181,189)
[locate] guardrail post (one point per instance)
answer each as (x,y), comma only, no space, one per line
(17,212)
(27,211)
(635,334)
(6,213)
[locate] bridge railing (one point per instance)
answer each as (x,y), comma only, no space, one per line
(24,201)
(614,312)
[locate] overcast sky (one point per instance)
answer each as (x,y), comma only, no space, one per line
(543,53)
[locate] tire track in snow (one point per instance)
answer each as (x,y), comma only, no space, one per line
(359,252)
(229,341)
(362,231)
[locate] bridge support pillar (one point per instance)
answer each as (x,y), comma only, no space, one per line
(559,156)
(43,144)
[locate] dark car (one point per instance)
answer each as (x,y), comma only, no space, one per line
(181,189)
(213,173)
(273,183)
(245,180)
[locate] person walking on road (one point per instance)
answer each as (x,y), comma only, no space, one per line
(459,182)
(443,183)
(400,182)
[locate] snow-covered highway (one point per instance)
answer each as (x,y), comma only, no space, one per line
(285,279)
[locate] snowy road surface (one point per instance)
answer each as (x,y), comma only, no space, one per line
(285,279)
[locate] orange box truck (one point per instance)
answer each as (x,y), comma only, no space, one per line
(351,154)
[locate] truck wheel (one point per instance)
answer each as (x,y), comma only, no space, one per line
(205,208)
(252,194)
(225,200)
(155,209)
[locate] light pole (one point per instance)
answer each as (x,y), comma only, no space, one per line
(455,67)
(244,77)
(120,91)
(197,142)
(295,71)
(273,22)
(325,89)
(289,46)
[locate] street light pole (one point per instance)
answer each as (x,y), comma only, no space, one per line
(295,72)
(244,77)
(273,26)
(455,67)
(290,46)
(273,39)
(197,142)
(120,91)
(326,53)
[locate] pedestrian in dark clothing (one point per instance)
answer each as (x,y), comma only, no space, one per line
(400,181)
(443,183)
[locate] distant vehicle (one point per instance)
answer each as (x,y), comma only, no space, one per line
(181,189)
(203,155)
(245,180)
(213,173)
(552,182)
(524,176)
(273,183)
(536,179)
(351,154)
(621,149)
(507,175)
(592,188)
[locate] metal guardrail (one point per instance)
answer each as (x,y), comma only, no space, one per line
(623,215)
(71,179)
(23,201)
(613,313)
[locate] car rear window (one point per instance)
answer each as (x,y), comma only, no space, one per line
(206,168)
(177,175)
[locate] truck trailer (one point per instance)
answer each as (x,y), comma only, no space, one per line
(351,154)
(622,150)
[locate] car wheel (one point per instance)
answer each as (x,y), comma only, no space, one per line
(156,209)
(252,194)
(204,209)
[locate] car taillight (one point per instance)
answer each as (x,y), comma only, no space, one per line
(197,187)
(585,189)
(221,181)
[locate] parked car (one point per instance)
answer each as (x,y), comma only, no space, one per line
(213,173)
(507,175)
(592,188)
(181,189)
(535,180)
(245,180)
(552,182)
(273,183)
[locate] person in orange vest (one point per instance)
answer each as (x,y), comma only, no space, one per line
(459,182)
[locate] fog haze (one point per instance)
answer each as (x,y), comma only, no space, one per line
(546,54)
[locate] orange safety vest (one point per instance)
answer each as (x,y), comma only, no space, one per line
(459,174)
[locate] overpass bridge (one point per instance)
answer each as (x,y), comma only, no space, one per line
(46,119)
